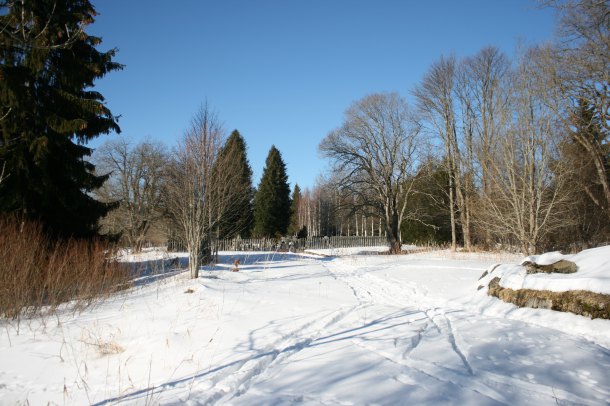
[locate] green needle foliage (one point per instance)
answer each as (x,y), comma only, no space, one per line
(294,228)
(48,110)
(272,200)
(239,216)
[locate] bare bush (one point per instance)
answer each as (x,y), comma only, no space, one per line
(191,188)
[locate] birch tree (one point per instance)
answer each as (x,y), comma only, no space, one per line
(485,109)
(190,187)
(484,76)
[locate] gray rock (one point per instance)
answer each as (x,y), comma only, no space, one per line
(561,266)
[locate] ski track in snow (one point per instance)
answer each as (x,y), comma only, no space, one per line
(376,295)
(370,291)
(379,291)
(234,383)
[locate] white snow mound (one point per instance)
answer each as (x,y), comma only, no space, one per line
(593,273)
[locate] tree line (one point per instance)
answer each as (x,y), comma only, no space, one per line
(489,152)
(49,111)
(198,192)
(493,152)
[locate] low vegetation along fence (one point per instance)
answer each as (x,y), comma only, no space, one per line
(286,244)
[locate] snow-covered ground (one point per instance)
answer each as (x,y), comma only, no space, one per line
(313,329)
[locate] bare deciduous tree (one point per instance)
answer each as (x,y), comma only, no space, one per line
(485,76)
(190,189)
(375,152)
(485,110)
(527,198)
(579,68)
(136,179)
(436,101)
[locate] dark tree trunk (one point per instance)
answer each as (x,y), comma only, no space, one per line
(394,235)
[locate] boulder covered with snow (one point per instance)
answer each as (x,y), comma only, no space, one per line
(551,262)
(578,283)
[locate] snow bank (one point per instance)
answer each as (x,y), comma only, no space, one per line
(547,258)
(339,252)
(593,273)
(148,254)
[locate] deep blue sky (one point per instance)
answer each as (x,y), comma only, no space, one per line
(283,72)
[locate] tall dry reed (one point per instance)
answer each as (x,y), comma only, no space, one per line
(37,274)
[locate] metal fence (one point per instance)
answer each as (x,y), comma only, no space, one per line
(285,244)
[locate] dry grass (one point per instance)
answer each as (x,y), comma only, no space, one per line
(444,252)
(107,346)
(37,274)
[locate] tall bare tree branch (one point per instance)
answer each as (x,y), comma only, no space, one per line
(374,153)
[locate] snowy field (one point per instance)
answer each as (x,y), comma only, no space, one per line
(311,329)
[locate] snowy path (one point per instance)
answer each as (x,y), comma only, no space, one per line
(393,344)
(343,331)
(397,347)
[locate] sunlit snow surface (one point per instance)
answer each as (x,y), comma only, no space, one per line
(593,273)
(312,329)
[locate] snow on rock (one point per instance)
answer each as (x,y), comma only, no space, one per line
(547,258)
(593,273)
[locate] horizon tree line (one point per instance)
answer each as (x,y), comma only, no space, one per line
(491,152)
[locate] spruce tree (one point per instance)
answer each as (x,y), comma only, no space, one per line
(239,216)
(48,110)
(588,202)
(294,228)
(272,200)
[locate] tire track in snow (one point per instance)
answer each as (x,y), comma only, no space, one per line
(234,378)
(256,369)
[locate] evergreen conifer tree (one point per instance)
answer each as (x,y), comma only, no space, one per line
(272,200)
(588,203)
(294,228)
(48,110)
(589,134)
(239,216)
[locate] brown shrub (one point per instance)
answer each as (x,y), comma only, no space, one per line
(39,274)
